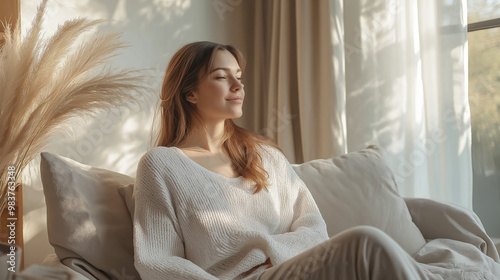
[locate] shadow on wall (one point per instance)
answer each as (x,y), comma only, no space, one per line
(153,30)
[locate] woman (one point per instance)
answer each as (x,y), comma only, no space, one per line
(215,201)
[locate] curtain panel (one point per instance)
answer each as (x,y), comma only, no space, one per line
(293,87)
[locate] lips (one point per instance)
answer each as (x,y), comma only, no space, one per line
(235,99)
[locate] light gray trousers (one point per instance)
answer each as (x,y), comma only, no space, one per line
(359,253)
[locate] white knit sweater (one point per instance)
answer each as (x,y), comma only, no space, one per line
(192,223)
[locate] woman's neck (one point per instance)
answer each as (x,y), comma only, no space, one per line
(207,137)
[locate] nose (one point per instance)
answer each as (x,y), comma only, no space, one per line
(237,85)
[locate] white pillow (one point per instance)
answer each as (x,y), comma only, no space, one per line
(87,217)
(359,189)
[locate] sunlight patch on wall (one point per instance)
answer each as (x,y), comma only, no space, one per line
(34,223)
(59,11)
(166,8)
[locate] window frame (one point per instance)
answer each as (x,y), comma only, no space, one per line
(482,25)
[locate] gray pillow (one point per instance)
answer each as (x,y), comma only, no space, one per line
(87,217)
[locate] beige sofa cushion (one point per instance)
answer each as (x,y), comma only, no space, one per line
(87,220)
(359,189)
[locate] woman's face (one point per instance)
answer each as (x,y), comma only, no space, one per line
(220,93)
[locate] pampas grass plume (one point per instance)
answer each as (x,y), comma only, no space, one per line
(46,83)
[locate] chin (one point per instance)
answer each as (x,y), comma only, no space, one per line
(236,115)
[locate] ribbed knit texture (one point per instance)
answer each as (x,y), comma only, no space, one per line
(192,223)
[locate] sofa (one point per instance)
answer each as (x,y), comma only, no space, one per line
(90,210)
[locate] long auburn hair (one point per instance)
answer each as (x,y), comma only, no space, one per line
(180,118)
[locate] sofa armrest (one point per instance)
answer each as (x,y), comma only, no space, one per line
(444,220)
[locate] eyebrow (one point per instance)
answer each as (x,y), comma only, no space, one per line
(225,69)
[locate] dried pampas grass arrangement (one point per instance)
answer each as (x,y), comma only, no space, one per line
(46,83)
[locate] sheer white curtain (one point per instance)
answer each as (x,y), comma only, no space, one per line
(405,77)
(386,72)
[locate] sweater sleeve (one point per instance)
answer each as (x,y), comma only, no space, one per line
(158,244)
(308,227)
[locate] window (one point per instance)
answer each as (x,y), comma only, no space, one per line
(484,84)
(484,100)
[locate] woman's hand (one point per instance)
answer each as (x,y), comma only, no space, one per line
(251,270)
(268,262)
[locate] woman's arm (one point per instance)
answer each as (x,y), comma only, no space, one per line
(307,228)
(158,244)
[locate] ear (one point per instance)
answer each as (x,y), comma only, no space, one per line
(191,97)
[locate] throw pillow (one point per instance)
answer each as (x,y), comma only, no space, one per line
(86,216)
(359,189)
